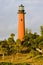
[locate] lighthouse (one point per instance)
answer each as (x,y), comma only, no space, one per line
(21,22)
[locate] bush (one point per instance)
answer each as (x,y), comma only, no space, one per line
(22,64)
(5,63)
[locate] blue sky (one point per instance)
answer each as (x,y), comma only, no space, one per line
(9,16)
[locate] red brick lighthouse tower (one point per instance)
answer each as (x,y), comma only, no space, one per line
(21,22)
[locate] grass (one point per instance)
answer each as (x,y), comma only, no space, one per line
(6,63)
(23,59)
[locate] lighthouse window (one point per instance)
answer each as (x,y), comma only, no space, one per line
(21,19)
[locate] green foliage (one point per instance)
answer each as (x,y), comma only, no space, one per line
(14,64)
(18,45)
(31,41)
(6,63)
(12,35)
(40,45)
(7,46)
(18,42)
(41,30)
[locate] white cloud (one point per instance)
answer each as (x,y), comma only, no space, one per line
(32,1)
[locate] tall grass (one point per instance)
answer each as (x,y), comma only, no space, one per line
(5,63)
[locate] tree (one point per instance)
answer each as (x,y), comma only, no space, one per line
(28,34)
(18,42)
(4,46)
(11,43)
(35,35)
(18,45)
(40,45)
(41,30)
(12,35)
